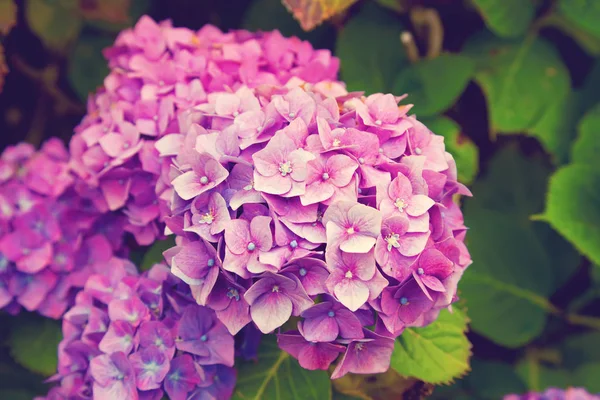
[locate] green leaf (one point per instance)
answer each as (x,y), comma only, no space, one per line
(587,376)
(587,146)
(154,255)
(557,127)
(521,79)
(573,207)
(114,15)
(493,380)
(434,84)
(267,15)
(583,13)
(506,18)
(34,341)
(278,376)
(56,22)
(87,66)
(370,50)
(437,353)
(586,40)
(461,147)
(580,349)
(538,377)
(515,259)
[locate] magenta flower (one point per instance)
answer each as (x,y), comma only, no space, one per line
(311,272)
(209,216)
(431,269)
(157,334)
(218,383)
(370,355)
(354,278)
(399,199)
(402,306)
(353,227)
(280,168)
(325,178)
(244,242)
(182,377)
(310,355)
(151,366)
(206,174)
(274,299)
(423,142)
(202,334)
(295,104)
(325,321)
(114,377)
(227,299)
(242,181)
(118,337)
(196,263)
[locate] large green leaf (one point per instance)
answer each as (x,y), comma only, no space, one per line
(56,22)
(589,42)
(434,84)
(583,13)
(34,342)
(87,66)
(515,259)
(521,79)
(278,376)
(461,147)
(506,18)
(437,353)
(587,146)
(557,127)
(580,349)
(573,207)
(370,50)
(587,376)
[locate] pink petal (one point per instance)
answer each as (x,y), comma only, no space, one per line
(270,311)
(351,293)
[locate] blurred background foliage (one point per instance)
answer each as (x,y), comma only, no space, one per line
(513,86)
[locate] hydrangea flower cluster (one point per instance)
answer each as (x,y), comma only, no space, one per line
(307,201)
(52,237)
(133,336)
(556,394)
(158,71)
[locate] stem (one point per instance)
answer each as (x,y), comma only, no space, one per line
(38,123)
(428,23)
(408,41)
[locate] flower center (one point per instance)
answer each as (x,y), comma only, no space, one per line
(251,246)
(285,168)
(350,230)
(210,262)
(249,186)
(336,143)
(325,176)
(302,271)
(232,293)
(403,301)
(275,289)
(349,274)
(418,151)
(360,346)
(204,180)
(378,122)
(203,338)
(292,115)
(207,218)
(400,204)
(420,271)
(331,314)
(361,160)
(293,244)
(392,241)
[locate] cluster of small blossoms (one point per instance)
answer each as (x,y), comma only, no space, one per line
(556,394)
(133,336)
(157,71)
(51,236)
(308,201)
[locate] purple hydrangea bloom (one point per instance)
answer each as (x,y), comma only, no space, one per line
(572,393)
(120,342)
